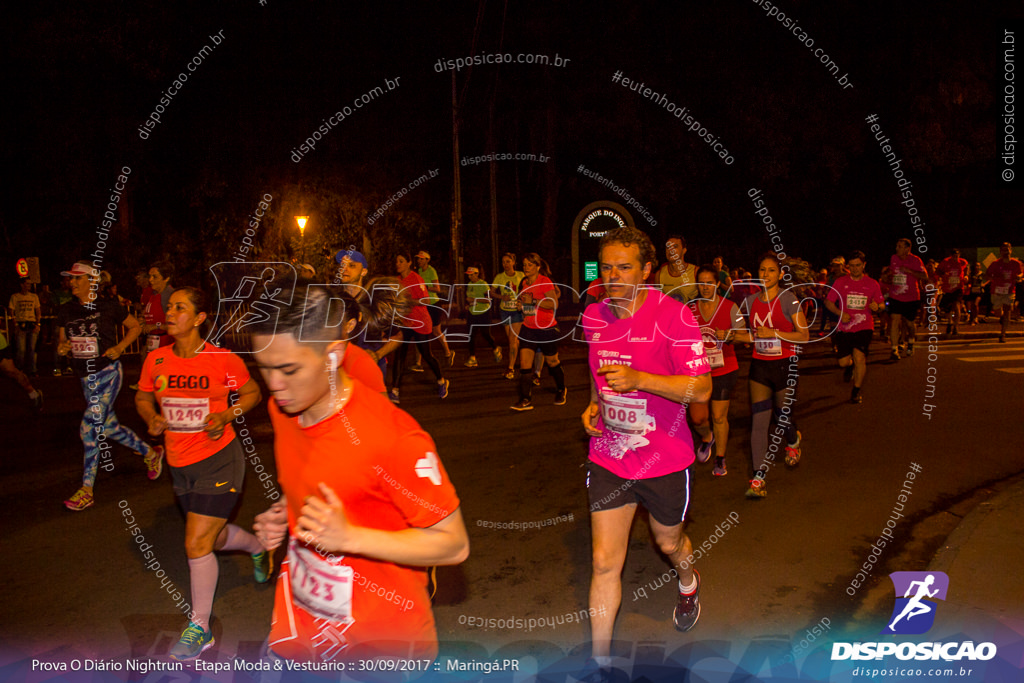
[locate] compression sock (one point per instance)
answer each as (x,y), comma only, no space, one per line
(525,384)
(240,539)
(558,375)
(760,419)
(203,572)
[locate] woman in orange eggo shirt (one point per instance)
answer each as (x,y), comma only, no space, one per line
(367,503)
(183,394)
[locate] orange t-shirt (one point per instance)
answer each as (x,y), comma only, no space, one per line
(357,364)
(188,390)
(385,470)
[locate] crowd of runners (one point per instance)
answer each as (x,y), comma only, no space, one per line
(361,531)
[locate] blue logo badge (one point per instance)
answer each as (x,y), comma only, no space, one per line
(917,594)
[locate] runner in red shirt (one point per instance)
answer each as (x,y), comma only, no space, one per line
(952,272)
(366,500)
(417,330)
(777,326)
(1004,273)
(183,394)
(538,300)
(857,296)
(721,324)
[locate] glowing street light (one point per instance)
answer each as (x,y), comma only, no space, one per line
(301,220)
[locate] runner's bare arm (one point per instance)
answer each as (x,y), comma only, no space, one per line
(323,521)
(591,412)
(248,398)
(271,526)
(145,404)
(133,332)
(678,388)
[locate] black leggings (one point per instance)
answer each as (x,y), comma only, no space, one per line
(421,342)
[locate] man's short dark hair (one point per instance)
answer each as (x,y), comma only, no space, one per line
(857,254)
(627,236)
(166,269)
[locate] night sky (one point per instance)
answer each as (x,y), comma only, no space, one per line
(83,77)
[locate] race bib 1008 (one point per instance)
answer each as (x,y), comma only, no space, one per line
(623,414)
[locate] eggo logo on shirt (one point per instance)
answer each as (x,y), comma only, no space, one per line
(164,382)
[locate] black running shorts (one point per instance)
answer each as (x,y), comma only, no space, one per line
(213,485)
(666,497)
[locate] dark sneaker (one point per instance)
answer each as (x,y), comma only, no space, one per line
(704,451)
(262,566)
(687,610)
(910,350)
(560,397)
(393,395)
(536,380)
(416,368)
(194,642)
(895,355)
(719,469)
(442,388)
(525,404)
(856,398)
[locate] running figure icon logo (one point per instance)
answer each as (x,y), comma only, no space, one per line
(914,612)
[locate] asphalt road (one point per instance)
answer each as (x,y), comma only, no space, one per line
(77,586)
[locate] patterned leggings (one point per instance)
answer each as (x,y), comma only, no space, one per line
(100,423)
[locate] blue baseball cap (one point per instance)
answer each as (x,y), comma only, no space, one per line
(352,256)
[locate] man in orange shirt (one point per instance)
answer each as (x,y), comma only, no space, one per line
(367,503)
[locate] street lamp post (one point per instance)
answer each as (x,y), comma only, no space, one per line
(301,220)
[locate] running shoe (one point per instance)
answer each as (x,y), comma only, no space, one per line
(442,389)
(133,387)
(1002,339)
(687,610)
(154,462)
(856,398)
(497,354)
(471,363)
(194,642)
(81,500)
(793,452)
(510,374)
(393,395)
(68,371)
(524,404)
(262,566)
(719,470)
(37,402)
(56,372)
(704,451)
(536,380)
(416,368)
(910,349)
(560,397)
(451,359)
(895,355)
(848,373)
(757,489)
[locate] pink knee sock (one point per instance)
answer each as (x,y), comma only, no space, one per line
(240,539)
(203,572)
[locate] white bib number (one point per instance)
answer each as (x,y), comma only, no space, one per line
(321,588)
(624,415)
(856,302)
(85,348)
(954,281)
(899,280)
(185,414)
(152,342)
(529,309)
(768,347)
(715,356)
(1002,290)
